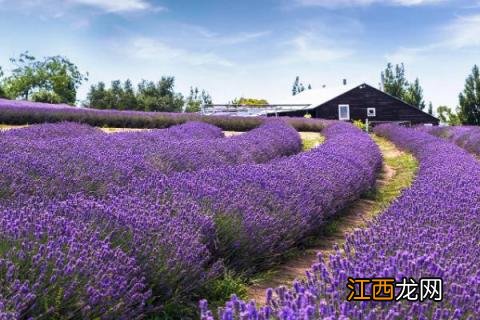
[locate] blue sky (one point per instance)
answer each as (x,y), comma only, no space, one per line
(252,48)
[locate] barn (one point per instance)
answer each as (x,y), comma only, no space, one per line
(358,103)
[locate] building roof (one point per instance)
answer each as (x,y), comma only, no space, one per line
(316,97)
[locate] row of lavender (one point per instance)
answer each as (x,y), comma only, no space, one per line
(154,239)
(53,160)
(432,230)
(467,137)
(25,112)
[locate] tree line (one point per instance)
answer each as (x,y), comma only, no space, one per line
(148,96)
(56,80)
(393,82)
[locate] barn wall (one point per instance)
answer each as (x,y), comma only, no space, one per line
(387,107)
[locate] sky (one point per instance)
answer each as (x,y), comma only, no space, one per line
(251,48)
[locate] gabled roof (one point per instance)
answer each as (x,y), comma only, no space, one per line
(316,97)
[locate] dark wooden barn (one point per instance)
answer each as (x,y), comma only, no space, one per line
(361,103)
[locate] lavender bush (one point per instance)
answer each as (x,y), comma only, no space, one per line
(98,162)
(272,207)
(467,137)
(90,228)
(430,231)
(26,112)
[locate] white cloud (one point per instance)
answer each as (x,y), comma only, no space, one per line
(155,50)
(461,33)
(116,5)
(216,38)
(358,3)
(55,6)
(464,32)
(240,37)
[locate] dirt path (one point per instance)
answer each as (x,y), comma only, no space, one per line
(397,173)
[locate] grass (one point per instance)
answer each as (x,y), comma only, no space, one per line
(405,166)
(311,140)
(8,127)
(115,130)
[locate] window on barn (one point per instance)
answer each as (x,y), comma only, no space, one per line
(343,112)
(371,112)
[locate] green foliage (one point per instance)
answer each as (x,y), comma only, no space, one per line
(46,96)
(249,101)
(470,99)
(430,108)
(395,84)
(359,124)
(414,95)
(159,96)
(446,115)
(299,87)
(3,94)
(150,96)
(219,290)
(53,79)
(196,99)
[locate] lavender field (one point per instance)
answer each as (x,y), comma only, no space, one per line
(150,224)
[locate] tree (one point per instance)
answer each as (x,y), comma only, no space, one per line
(128,100)
(414,95)
(97,97)
(115,95)
(53,79)
(295,86)
(446,115)
(394,83)
(196,99)
(249,101)
(159,96)
(470,99)
(430,108)
(3,94)
(298,86)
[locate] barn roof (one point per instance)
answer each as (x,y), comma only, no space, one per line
(316,97)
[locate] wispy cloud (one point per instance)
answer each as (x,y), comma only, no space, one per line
(216,38)
(358,3)
(109,6)
(464,32)
(116,5)
(155,50)
(461,33)
(310,48)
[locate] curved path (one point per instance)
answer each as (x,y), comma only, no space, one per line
(397,173)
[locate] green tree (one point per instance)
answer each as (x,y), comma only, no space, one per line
(470,99)
(249,101)
(446,115)
(97,97)
(196,98)
(298,86)
(3,94)
(115,95)
(159,96)
(393,81)
(53,79)
(414,95)
(128,99)
(430,108)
